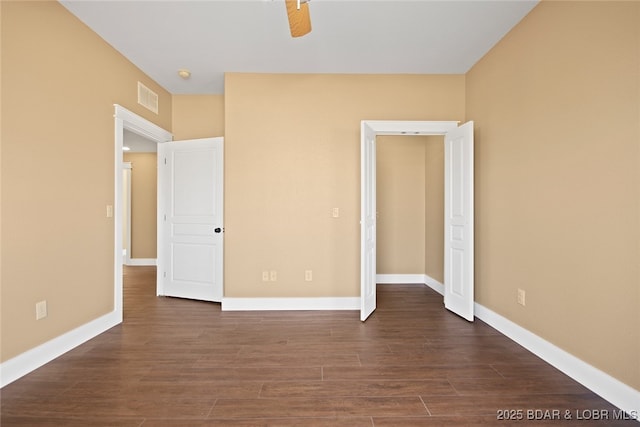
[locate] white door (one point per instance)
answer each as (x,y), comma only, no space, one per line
(367,222)
(190,222)
(458,221)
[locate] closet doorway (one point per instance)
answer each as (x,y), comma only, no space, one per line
(458,218)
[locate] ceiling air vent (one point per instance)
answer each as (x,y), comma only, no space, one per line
(147,98)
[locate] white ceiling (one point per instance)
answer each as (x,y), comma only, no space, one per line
(138,143)
(211,37)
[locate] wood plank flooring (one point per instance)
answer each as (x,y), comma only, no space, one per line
(178,362)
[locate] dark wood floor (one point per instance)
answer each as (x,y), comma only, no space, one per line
(185,363)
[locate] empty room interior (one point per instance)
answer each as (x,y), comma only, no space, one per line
(555,106)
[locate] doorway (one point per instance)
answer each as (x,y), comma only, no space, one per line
(458,200)
(140,199)
(410,207)
(125,120)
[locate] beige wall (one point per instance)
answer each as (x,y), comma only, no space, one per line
(292,153)
(59,83)
(144,191)
(197,116)
(556,106)
(410,204)
(434,207)
(400,204)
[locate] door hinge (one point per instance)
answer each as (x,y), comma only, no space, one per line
(165,217)
(165,160)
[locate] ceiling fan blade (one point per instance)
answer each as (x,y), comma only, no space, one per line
(299,19)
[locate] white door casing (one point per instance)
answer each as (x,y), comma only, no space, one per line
(458,248)
(190,219)
(458,221)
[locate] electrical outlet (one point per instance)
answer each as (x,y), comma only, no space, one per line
(522,297)
(308,275)
(265,275)
(273,275)
(335,212)
(41,310)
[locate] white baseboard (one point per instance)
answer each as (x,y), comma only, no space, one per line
(609,388)
(434,284)
(321,303)
(421,279)
(141,261)
(403,279)
(31,360)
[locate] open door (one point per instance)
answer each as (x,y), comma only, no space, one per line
(367,222)
(458,221)
(458,243)
(190,219)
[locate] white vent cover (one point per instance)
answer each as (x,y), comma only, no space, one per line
(147,98)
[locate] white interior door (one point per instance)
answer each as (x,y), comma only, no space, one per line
(190,219)
(458,221)
(368,222)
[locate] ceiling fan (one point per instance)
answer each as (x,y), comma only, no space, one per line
(299,18)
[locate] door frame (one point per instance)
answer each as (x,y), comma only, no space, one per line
(386,127)
(125,119)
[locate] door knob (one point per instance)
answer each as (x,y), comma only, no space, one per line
(218,230)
